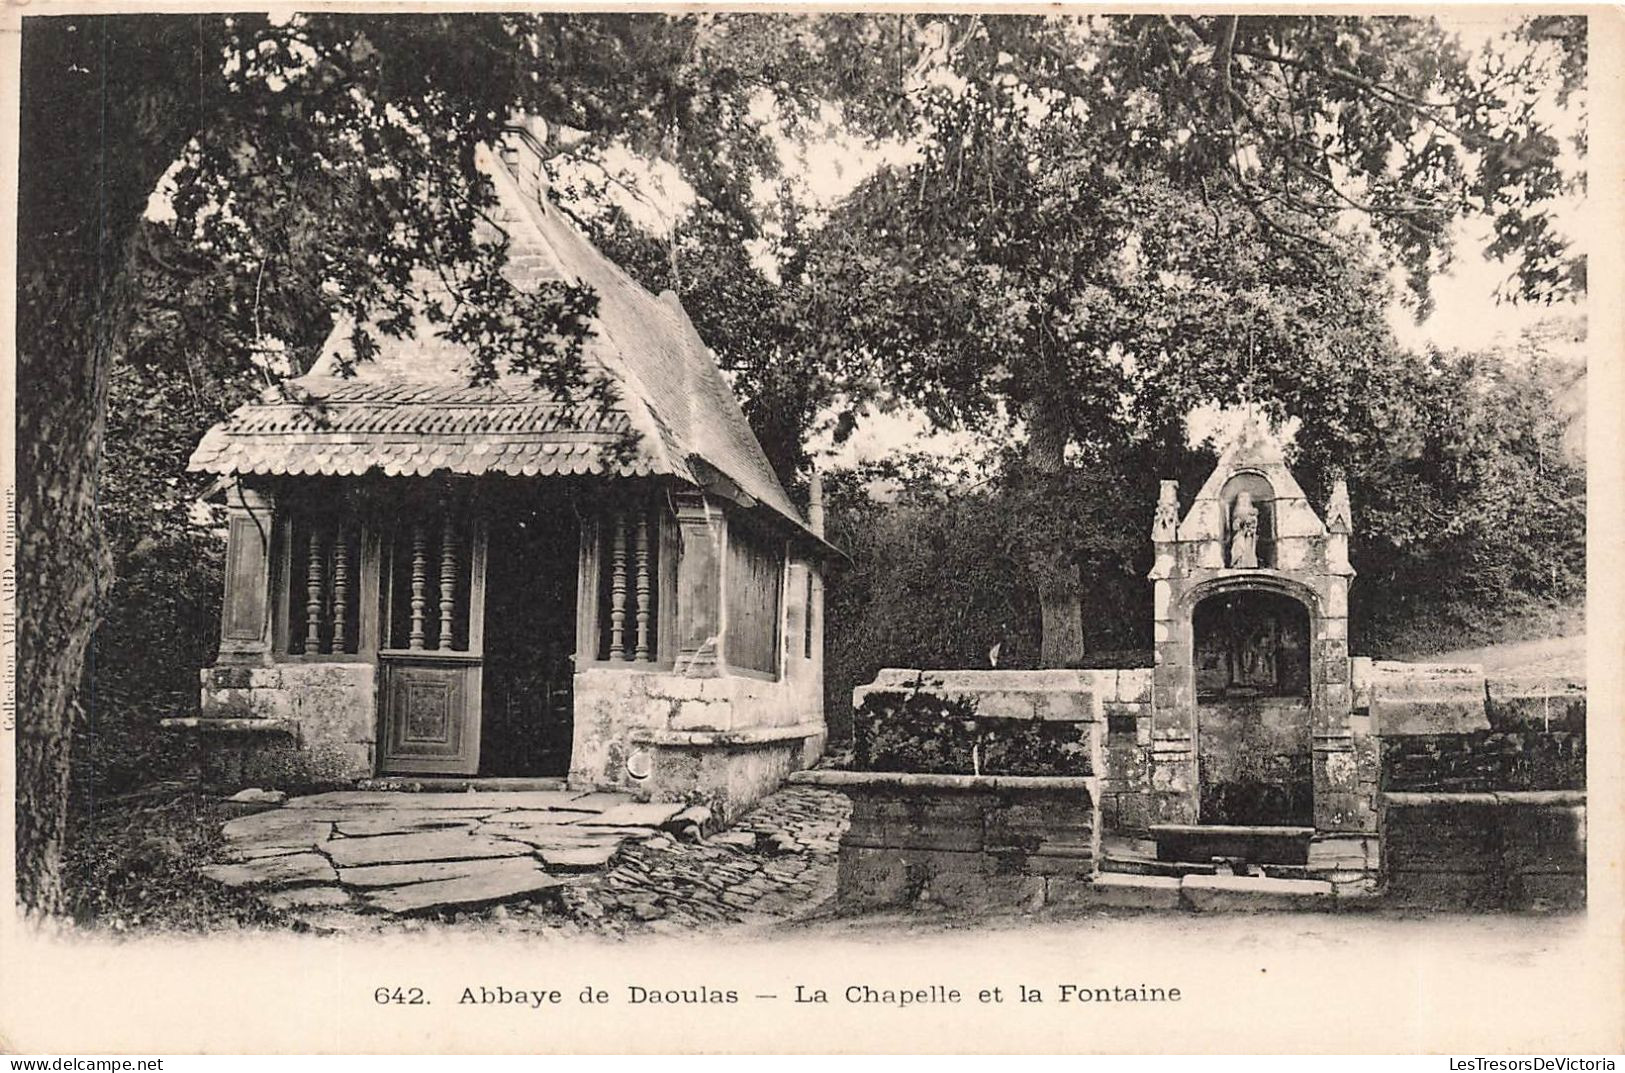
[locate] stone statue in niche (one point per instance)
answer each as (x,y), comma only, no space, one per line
(1244,533)
(1255,656)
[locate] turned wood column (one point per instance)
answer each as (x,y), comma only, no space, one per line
(701,529)
(245,619)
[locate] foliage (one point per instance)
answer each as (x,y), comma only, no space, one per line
(133,863)
(939,570)
(919,731)
(1469,525)
(161,611)
(1471,511)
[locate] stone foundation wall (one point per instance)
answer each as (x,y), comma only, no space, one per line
(724,741)
(1485,850)
(962,841)
(289,723)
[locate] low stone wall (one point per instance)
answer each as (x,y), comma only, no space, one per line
(1511,850)
(724,742)
(1424,698)
(287,724)
(1112,708)
(962,841)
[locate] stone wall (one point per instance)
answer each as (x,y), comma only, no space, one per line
(1483,794)
(1506,850)
(1528,734)
(962,841)
(289,723)
(722,741)
(1111,707)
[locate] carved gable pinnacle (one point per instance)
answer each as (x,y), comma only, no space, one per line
(1165,526)
(1339,516)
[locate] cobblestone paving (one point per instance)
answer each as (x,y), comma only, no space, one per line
(776,864)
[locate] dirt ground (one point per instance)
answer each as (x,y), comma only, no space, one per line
(1554,656)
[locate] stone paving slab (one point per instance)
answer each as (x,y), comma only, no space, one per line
(397,875)
(637,814)
(562,837)
(306,898)
(579,858)
(300,868)
(500,881)
(400,825)
(1252,893)
(282,826)
(596,801)
(422,846)
(551,816)
(462,848)
(254,851)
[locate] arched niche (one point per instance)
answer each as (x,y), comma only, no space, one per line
(1251,643)
(1263,499)
(1253,742)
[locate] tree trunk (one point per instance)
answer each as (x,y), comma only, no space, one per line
(1060,587)
(97,129)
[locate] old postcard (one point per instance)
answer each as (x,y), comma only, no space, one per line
(806,530)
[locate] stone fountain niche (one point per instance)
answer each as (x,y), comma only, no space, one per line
(1251,716)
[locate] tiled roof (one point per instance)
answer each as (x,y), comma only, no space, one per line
(407,429)
(411,411)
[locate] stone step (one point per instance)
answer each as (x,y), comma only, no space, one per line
(1259,844)
(1119,891)
(1251,894)
(1201,893)
(456,783)
(1136,865)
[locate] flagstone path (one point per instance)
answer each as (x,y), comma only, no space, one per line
(775,865)
(416,853)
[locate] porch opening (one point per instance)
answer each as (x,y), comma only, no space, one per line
(530,638)
(1252,670)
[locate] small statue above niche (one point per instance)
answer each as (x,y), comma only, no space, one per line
(1244,533)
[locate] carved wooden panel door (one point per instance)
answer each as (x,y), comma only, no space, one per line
(432,658)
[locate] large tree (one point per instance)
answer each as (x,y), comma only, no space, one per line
(1110,220)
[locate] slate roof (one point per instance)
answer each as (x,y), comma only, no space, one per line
(412,411)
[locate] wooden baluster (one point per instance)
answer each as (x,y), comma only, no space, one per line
(448,581)
(420,578)
(341,590)
(642,546)
(313,595)
(617,588)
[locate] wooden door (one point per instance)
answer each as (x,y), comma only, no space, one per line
(431,663)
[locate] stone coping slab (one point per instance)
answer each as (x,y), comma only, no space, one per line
(921,781)
(1044,680)
(1414,798)
(230,725)
(724,738)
